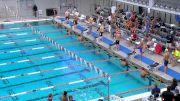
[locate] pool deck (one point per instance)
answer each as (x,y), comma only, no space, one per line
(157,58)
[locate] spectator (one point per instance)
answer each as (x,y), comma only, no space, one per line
(50,97)
(35,9)
(143,73)
(155,91)
(158,48)
(174,84)
(55,12)
(177,95)
(113,30)
(178,87)
(67,14)
(98,8)
(150,42)
(169,39)
(167,95)
(176,56)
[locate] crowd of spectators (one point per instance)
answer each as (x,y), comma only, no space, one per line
(147,33)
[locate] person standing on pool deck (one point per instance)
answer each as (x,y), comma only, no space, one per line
(90,25)
(75,21)
(35,9)
(166,60)
(101,29)
(117,37)
(141,47)
(67,14)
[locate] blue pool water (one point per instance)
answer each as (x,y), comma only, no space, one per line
(17,37)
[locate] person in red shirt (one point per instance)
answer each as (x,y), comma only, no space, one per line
(134,36)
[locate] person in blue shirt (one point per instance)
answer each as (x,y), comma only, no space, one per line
(155,91)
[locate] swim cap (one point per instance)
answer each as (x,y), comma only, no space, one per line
(166,50)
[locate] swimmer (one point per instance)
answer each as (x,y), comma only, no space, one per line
(117,38)
(1,26)
(133,37)
(141,45)
(101,30)
(79,38)
(90,24)
(71,98)
(166,60)
(50,97)
(143,73)
(67,13)
(68,32)
(124,62)
(75,21)
(64,97)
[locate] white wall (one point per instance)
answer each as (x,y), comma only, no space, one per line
(84,6)
(11,4)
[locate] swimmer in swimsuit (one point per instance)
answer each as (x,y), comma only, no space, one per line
(124,62)
(79,38)
(143,73)
(50,97)
(64,97)
(68,32)
(75,21)
(117,37)
(166,60)
(141,45)
(101,30)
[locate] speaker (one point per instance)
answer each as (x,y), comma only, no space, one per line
(51,12)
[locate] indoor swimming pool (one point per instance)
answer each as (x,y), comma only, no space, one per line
(31,67)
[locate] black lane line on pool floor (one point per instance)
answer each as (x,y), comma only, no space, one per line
(39,43)
(47,78)
(22,49)
(21,31)
(33,66)
(43,64)
(23,55)
(70,91)
(10,92)
(24,28)
(18,39)
(27,36)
